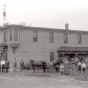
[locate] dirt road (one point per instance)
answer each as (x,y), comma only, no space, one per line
(28,79)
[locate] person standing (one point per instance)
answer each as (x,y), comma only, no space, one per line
(66,67)
(62,68)
(79,67)
(83,67)
(0,66)
(3,65)
(15,65)
(7,65)
(21,64)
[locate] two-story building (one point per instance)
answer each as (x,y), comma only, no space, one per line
(24,42)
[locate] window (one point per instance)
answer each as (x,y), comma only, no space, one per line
(5,36)
(65,38)
(35,36)
(15,35)
(79,38)
(11,35)
(51,40)
(51,56)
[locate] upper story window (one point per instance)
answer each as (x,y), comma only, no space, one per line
(35,36)
(5,36)
(51,39)
(79,38)
(11,35)
(65,37)
(15,35)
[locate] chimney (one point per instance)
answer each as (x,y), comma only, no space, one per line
(66,26)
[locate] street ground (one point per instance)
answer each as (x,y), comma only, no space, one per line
(29,79)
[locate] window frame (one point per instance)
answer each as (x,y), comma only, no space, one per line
(5,36)
(16,36)
(51,37)
(79,38)
(35,39)
(11,35)
(65,38)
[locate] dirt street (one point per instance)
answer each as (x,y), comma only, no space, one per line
(28,79)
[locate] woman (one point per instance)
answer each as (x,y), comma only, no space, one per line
(66,67)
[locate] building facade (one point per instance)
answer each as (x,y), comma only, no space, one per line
(23,42)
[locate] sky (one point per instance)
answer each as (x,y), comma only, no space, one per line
(46,13)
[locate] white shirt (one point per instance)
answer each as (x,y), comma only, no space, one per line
(61,68)
(2,62)
(51,63)
(83,65)
(79,63)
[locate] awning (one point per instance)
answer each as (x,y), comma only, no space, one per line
(3,44)
(72,49)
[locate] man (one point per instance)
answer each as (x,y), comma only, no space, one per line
(7,65)
(15,65)
(21,64)
(79,67)
(3,65)
(83,67)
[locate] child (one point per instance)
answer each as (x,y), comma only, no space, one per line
(62,68)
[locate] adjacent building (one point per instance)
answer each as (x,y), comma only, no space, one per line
(24,42)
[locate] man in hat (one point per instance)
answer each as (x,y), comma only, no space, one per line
(7,65)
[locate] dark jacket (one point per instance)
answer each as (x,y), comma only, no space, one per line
(22,63)
(7,64)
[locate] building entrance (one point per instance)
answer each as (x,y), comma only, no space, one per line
(4,52)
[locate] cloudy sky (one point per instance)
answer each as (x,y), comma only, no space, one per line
(47,13)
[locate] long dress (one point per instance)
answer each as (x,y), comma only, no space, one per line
(66,68)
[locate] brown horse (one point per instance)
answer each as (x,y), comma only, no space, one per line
(39,64)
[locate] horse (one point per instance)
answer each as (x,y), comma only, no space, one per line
(40,64)
(56,63)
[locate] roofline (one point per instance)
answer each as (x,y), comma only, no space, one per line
(45,29)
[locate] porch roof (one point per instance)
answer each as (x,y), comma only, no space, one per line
(72,49)
(3,44)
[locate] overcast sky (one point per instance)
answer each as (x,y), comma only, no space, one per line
(47,13)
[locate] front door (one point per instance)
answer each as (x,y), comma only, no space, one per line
(4,52)
(51,56)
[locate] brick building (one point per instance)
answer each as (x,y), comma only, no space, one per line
(24,42)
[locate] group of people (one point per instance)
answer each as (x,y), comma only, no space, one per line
(66,66)
(21,65)
(4,66)
(81,67)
